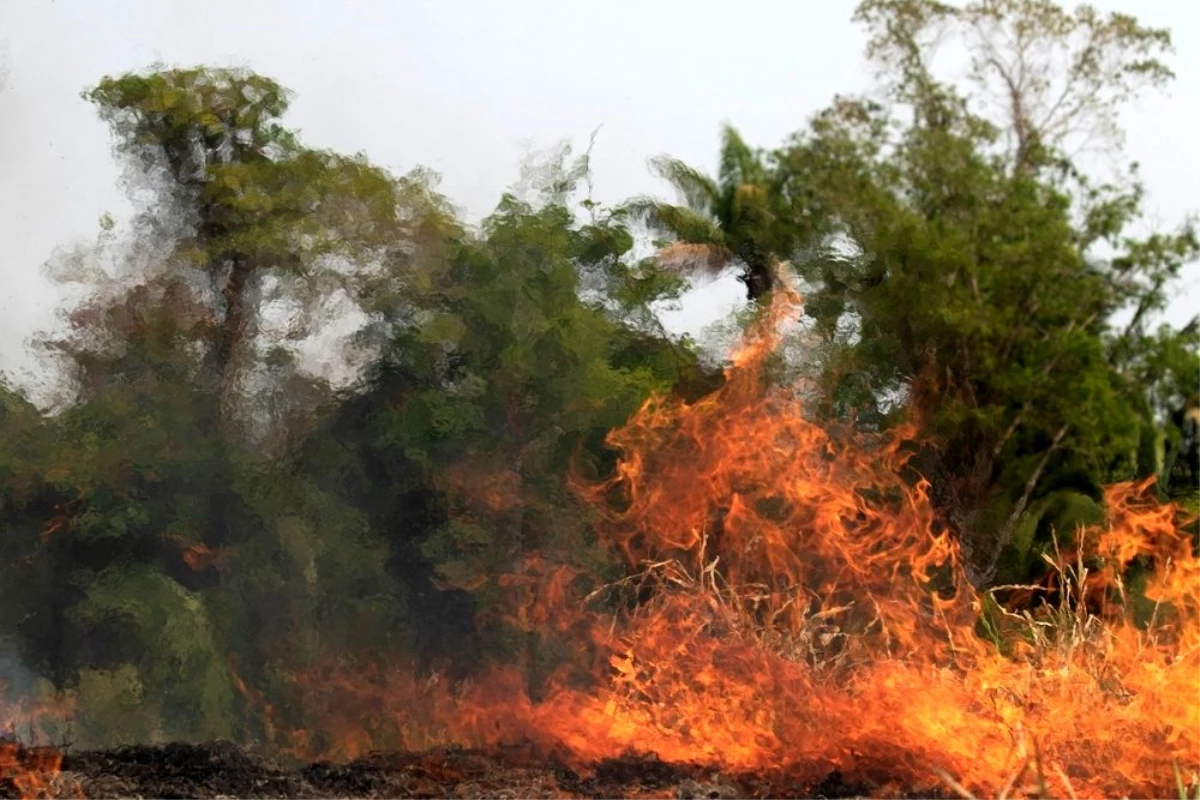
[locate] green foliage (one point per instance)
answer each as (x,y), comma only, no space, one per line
(970,294)
(135,483)
(977,284)
(167,639)
(176,110)
(736,216)
(1057,515)
(495,384)
(262,211)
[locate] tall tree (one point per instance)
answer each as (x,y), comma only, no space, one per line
(1053,81)
(262,217)
(967,281)
(158,542)
(733,218)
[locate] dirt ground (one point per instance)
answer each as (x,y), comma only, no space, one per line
(225,770)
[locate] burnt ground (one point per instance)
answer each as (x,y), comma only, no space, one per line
(225,770)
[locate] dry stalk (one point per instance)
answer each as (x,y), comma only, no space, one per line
(954,785)
(1062,776)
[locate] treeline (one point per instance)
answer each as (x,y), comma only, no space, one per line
(205,518)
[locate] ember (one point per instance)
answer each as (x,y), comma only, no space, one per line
(28,771)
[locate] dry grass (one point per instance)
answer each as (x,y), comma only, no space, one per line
(1064,633)
(1068,631)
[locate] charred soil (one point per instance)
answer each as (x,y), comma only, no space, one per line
(224,769)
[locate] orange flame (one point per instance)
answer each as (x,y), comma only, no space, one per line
(32,771)
(29,770)
(807,614)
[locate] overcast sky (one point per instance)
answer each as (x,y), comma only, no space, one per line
(465,87)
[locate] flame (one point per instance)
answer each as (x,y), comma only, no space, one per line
(794,605)
(29,770)
(200,556)
(32,771)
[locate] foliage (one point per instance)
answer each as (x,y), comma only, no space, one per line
(980,286)
(494,384)
(265,218)
(733,217)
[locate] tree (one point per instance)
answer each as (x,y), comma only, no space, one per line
(734,217)
(161,517)
(496,381)
(1053,81)
(260,214)
(963,281)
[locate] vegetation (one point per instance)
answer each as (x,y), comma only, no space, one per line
(205,515)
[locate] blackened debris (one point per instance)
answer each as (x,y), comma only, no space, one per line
(224,769)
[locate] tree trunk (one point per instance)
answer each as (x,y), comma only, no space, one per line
(231,338)
(758,278)
(1010,525)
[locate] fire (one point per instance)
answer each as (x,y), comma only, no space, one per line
(32,771)
(799,609)
(29,771)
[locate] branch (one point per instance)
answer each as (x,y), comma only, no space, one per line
(1010,525)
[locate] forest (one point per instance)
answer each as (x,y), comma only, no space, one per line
(954,327)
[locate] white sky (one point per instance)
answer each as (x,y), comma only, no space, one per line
(464,87)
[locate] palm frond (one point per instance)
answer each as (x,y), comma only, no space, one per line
(677,222)
(739,164)
(699,191)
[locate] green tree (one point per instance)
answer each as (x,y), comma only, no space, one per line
(262,217)
(965,281)
(733,218)
(495,381)
(161,518)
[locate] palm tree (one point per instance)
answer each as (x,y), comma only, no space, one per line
(733,218)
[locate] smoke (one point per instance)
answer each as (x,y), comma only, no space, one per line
(18,693)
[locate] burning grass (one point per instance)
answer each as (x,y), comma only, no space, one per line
(795,610)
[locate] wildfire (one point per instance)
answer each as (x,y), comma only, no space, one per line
(821,621)
(793,606)
(799,610)
(30,771)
